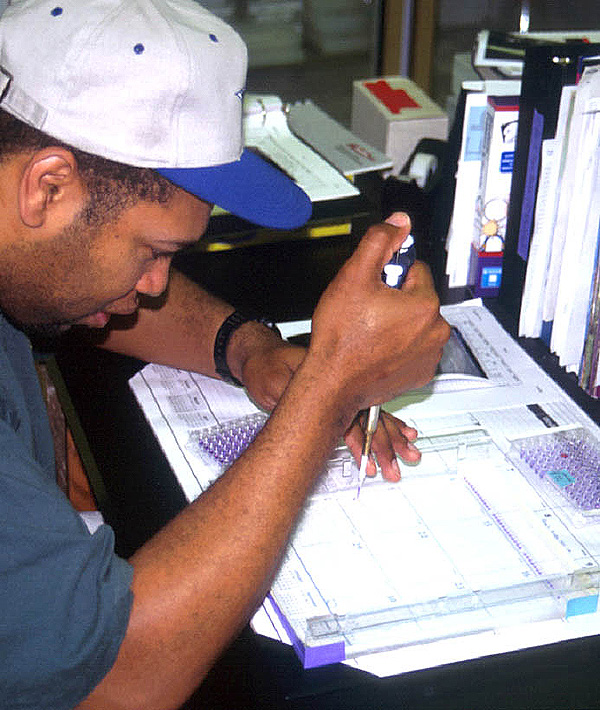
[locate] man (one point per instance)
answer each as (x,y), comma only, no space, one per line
(120,126)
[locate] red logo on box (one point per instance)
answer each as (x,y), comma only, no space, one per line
(393,99)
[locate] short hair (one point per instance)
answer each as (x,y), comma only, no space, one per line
(112,187)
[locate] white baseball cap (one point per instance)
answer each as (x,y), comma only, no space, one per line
(149,83)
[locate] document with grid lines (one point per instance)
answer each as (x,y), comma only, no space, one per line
(490,543)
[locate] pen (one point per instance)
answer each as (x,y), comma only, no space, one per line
(394,273)
(370,429)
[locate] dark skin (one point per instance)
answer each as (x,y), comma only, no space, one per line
(198,581)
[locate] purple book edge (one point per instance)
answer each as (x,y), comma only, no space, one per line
(311,656)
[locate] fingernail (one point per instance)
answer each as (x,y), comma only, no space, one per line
(398,219)
(372,467)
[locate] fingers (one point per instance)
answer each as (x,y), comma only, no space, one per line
(354,439)
(419,276)
(393,438)
(399,219)
(267,373)
(379,244)
(398,437)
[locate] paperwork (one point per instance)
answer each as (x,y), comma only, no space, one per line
(537,280)
(266,129)
(344,150)
(577,221)
(560,290)
(470,554)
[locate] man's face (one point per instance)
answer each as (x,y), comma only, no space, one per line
(83,275)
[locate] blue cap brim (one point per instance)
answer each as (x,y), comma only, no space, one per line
(249,188)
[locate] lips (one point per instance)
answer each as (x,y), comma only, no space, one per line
(96,320)
(122,307)
(125,306)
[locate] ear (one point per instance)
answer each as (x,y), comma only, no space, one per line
(50,187)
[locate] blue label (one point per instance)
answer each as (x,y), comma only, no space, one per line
(491,276)
(506,161)
(582,605)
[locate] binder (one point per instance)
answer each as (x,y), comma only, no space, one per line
(546,70)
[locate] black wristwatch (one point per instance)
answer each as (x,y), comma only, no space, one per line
(228,327)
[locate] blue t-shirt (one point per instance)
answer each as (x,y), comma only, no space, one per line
(65,596)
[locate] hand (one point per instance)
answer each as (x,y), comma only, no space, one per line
(267,371)
(370,342)
(268,374)
(392,437)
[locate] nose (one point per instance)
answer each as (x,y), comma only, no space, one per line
(154,280)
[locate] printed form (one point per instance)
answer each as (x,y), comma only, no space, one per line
(266,129)
(491,543)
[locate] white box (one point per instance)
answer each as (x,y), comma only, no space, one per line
(394,114)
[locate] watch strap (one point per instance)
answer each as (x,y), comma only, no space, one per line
(228,327)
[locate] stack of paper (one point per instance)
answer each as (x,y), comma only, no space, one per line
(343,149)
(464,557)
(561,286)
(266,129)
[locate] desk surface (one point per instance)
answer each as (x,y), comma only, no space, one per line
(284,282)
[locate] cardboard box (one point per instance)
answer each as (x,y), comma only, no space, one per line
(394,114)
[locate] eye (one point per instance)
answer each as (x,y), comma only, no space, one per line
(158,254)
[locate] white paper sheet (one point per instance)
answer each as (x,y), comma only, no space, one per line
(579,219)
(518,400)
(266,128)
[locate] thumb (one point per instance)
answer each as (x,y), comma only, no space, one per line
(376,248)
(399,219)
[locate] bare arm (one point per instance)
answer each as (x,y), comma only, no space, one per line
(199,580)
(180,331)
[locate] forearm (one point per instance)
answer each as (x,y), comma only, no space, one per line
(198,581)
(201,578)
(180,331)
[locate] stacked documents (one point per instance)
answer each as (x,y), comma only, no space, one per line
(552,225)
(562,286)
(491,543)
(266,129)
